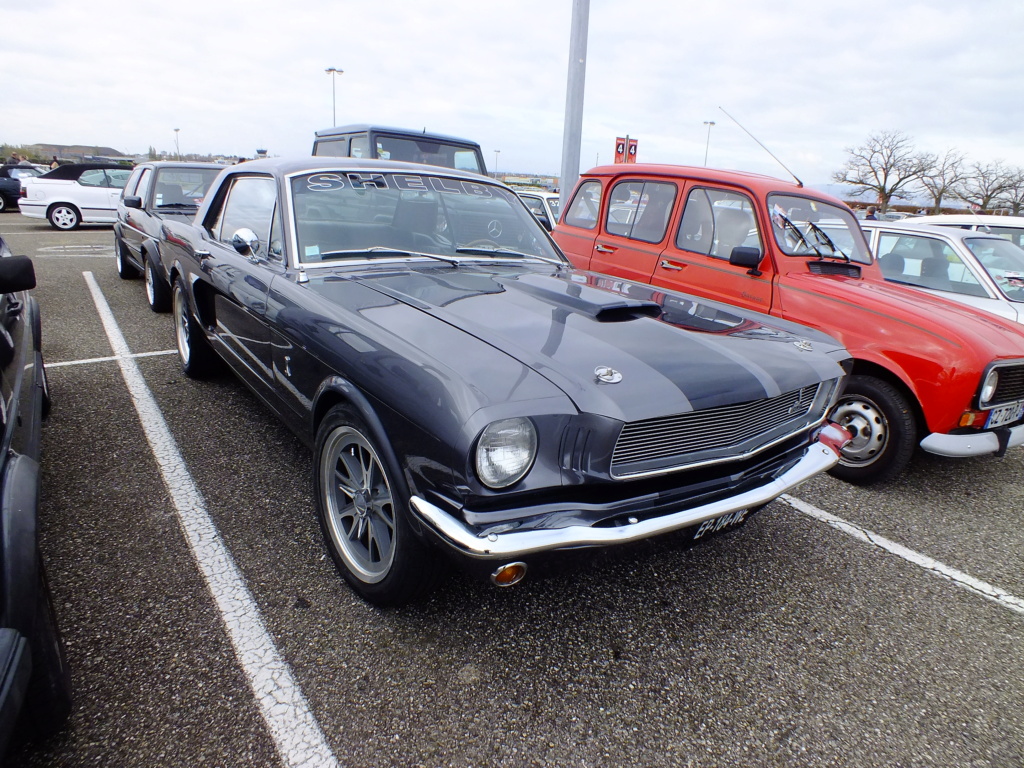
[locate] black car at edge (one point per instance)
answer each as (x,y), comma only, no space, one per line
(35,683)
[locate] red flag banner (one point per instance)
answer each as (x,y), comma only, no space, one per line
(620,150)
(631,152)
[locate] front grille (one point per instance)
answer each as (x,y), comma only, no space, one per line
(1011,385)
(715,433)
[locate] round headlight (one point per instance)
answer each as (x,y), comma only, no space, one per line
(505,451)
(988,389)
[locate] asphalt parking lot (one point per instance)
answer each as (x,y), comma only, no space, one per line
(845,626)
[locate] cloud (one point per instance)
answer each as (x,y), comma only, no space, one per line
(808,78)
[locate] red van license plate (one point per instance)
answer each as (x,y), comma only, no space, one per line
(1005,414)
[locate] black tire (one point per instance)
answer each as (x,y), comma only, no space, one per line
(48,701)
(884,429)
(125,268)
(363,511)
(3,203)
(197,359)
(64,216)
(158,292)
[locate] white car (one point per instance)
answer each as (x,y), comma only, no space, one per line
(70,195)
(1010,227)
(543,204)
(982,270)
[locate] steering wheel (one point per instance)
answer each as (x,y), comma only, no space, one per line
(482,241)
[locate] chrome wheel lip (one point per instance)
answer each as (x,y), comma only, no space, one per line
(355,520)
(868,424)
(181,325)
(150,288)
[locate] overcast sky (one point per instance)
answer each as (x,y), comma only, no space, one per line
(808,78)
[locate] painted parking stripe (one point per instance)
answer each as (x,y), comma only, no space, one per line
(111,359)
(297,735)
(961,579)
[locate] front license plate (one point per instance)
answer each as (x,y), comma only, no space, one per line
(721,523)
(1005,414)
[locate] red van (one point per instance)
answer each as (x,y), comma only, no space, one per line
(927,372)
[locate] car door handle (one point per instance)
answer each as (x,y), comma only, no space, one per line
(669,265)
(603,249)
(202,255)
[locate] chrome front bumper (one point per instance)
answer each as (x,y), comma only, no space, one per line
(515,544)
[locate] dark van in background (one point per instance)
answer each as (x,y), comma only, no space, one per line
(374,141)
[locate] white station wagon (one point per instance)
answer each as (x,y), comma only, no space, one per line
(976,268)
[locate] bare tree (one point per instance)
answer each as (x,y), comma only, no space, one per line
(941,175)
(984,183)
(1013,196)
(886,164)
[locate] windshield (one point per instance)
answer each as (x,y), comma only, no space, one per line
(182,186)
(1004,262)
(806,227)
(428,152)
(345,215)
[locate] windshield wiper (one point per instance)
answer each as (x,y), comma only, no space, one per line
(380,250)
(822,236)
(796,231)
(177,205)
(478,251)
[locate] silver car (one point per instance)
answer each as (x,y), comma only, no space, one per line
(977,268)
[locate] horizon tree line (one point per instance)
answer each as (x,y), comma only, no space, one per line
(888,165)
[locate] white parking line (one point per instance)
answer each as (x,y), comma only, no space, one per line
(299,739)
(961,579)
(90,360)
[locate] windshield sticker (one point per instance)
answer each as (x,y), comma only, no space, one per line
(326,182)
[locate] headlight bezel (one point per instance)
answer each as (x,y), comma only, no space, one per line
(517,435)
(989,386)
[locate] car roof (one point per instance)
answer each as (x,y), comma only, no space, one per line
(410,133)
(951,233)
(285,166)
(74,170)
(974,218)
(157,164)
(755,182)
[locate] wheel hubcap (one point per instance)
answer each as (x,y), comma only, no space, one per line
(866,422)
(149,282)
(64,218)
(359,504)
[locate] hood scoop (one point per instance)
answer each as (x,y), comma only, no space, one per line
(602,306)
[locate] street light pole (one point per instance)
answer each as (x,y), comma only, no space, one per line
(332,71)
(496,153)
(177,147)
(707,144)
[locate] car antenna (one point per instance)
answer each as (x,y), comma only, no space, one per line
(798,182)
(970,207)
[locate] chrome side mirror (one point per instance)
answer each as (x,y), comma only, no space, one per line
(245,242)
